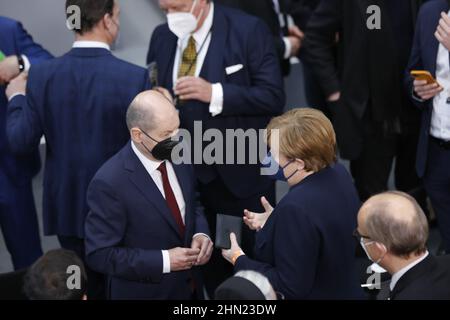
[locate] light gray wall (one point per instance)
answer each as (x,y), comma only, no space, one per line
(45,21)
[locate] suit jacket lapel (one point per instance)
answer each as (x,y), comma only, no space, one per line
(212,67)
(141,179)
(184,182)
(413,274)
(434,43)
(168,51)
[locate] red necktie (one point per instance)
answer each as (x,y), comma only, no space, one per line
(170,198)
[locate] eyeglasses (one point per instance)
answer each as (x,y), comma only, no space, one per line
(359,236)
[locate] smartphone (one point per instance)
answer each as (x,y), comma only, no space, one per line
(424,75)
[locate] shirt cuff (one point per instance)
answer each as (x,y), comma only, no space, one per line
(27,63)
(201,234)
(216,106)
(166,261)
(287,48)
(15,95)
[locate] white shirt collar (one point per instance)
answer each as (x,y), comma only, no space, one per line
(201,34)
(149,165)
(396,276)
(91,44)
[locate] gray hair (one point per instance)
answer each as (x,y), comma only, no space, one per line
(260,281)
(401,236)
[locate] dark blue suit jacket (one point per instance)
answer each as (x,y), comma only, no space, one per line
(130,223)
(251,96)
(306,248)
(15,40)
(79,102)
(423,57)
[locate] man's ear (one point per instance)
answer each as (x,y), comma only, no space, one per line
(136,135)
(381,247)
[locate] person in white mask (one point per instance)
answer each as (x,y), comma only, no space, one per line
(393,231)
(222,67)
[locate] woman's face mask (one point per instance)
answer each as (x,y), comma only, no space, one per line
(279,176)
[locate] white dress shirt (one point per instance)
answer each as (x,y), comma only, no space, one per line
(396,276)
(91,44)
(201,36)
(287,43)
(440,119)
(152,168)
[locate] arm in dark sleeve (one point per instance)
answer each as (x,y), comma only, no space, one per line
(265,95)
(24,127)
(296,250)
(26,46)
(320,40)
(415,63)
(105,228)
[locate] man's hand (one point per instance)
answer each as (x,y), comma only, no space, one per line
(426,91)
(296,43)
(205,245)
(296,32)
(334,97)
(182,258)
(295,37)
(9,69)
(17,85)
(165,93)
(234,252)
(193,88)
(443,31)
(256,221)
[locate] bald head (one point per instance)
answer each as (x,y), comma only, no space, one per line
(150,109)
(395,220)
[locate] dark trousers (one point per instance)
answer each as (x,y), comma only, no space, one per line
(437,184)
(372,169)
(96,281)
(217,199)
(18,222)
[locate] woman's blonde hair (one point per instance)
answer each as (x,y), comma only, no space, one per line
(305,134)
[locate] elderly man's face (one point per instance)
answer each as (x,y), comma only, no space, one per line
(171,6)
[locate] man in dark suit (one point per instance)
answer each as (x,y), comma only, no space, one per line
(78,102)
(431,53)
(225,73)
(373,117)
(393,231)
(18,219)
(144,229)
(287,38)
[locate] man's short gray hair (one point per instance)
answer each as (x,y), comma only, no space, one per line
(260,281)
(402,237)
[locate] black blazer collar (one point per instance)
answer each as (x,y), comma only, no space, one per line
(89,52)
(425,266)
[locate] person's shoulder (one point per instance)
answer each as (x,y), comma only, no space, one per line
(8,24)
(161,32)
(239,19)
(113,169)
(432,6)
(130,67)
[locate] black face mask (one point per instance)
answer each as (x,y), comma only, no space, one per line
(163,149)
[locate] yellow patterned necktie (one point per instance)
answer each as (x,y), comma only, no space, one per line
(189,60)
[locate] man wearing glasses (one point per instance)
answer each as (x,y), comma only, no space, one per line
(393,231)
